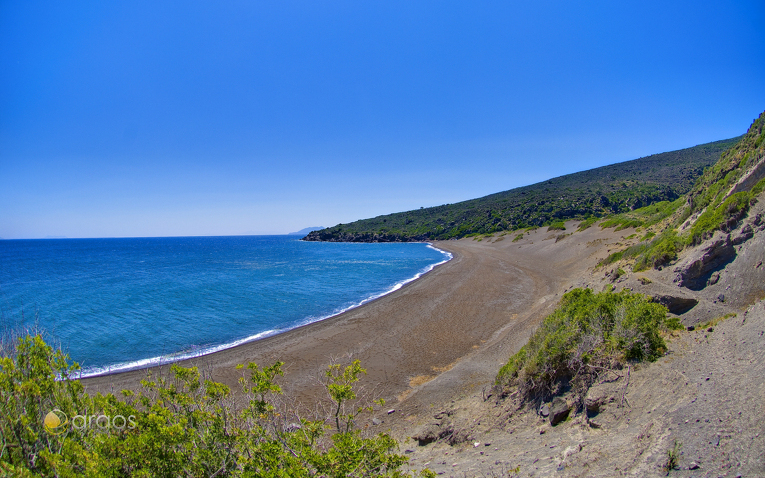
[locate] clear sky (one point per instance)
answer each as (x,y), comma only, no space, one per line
(155,118)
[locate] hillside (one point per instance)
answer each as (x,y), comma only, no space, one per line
(720,198)
(694,409)
(594,193)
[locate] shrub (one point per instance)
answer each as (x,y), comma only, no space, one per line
(556,226)
(182,424)
(587,223)
(659,252)
(723,216)
(627,224)
(613,257)
(758,188)
(673,457)
(586,333)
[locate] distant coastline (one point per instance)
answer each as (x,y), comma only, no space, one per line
(306,230)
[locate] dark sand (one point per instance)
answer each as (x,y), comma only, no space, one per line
(472,311)
(438,342)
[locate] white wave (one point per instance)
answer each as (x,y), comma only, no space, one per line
(170,358)
(177,357)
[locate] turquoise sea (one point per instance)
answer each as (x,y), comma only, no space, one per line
(117,304)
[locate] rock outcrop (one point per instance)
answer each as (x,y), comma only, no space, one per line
(676,304)
(559,410)
(714,254)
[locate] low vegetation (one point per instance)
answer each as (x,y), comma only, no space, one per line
(183,424)
(587,223)
(645,216)
(673,458)
(587,334)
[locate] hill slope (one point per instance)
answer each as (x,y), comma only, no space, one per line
(717,202)
(694,411)
(597,192)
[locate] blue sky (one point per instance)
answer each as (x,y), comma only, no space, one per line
(256,117)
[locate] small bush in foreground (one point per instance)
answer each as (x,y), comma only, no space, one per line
(182,424)
(585,334)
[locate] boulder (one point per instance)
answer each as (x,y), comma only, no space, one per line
(559,410)
(598,396)
(428,434)
(594,404)
(435,431)
(746,233)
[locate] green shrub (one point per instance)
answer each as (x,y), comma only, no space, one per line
(673,323)
(645,216)
(627,224)
(659,252)
(611,222)
(627,253)
(673,458)
(613,257)
(586,333)
(621,222)
(587,223)
(758,188)
(556,226)
(182,424)
(719,217)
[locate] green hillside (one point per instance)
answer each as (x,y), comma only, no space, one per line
(717,201)
(597,192)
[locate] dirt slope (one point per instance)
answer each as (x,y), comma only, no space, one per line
(707,394)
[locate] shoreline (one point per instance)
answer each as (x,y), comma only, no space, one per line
(183,356)
(425,342)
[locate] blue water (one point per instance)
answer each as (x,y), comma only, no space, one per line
(116,304)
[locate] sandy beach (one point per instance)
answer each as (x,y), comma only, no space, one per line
(448,331)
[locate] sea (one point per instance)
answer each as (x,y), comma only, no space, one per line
(125,303)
